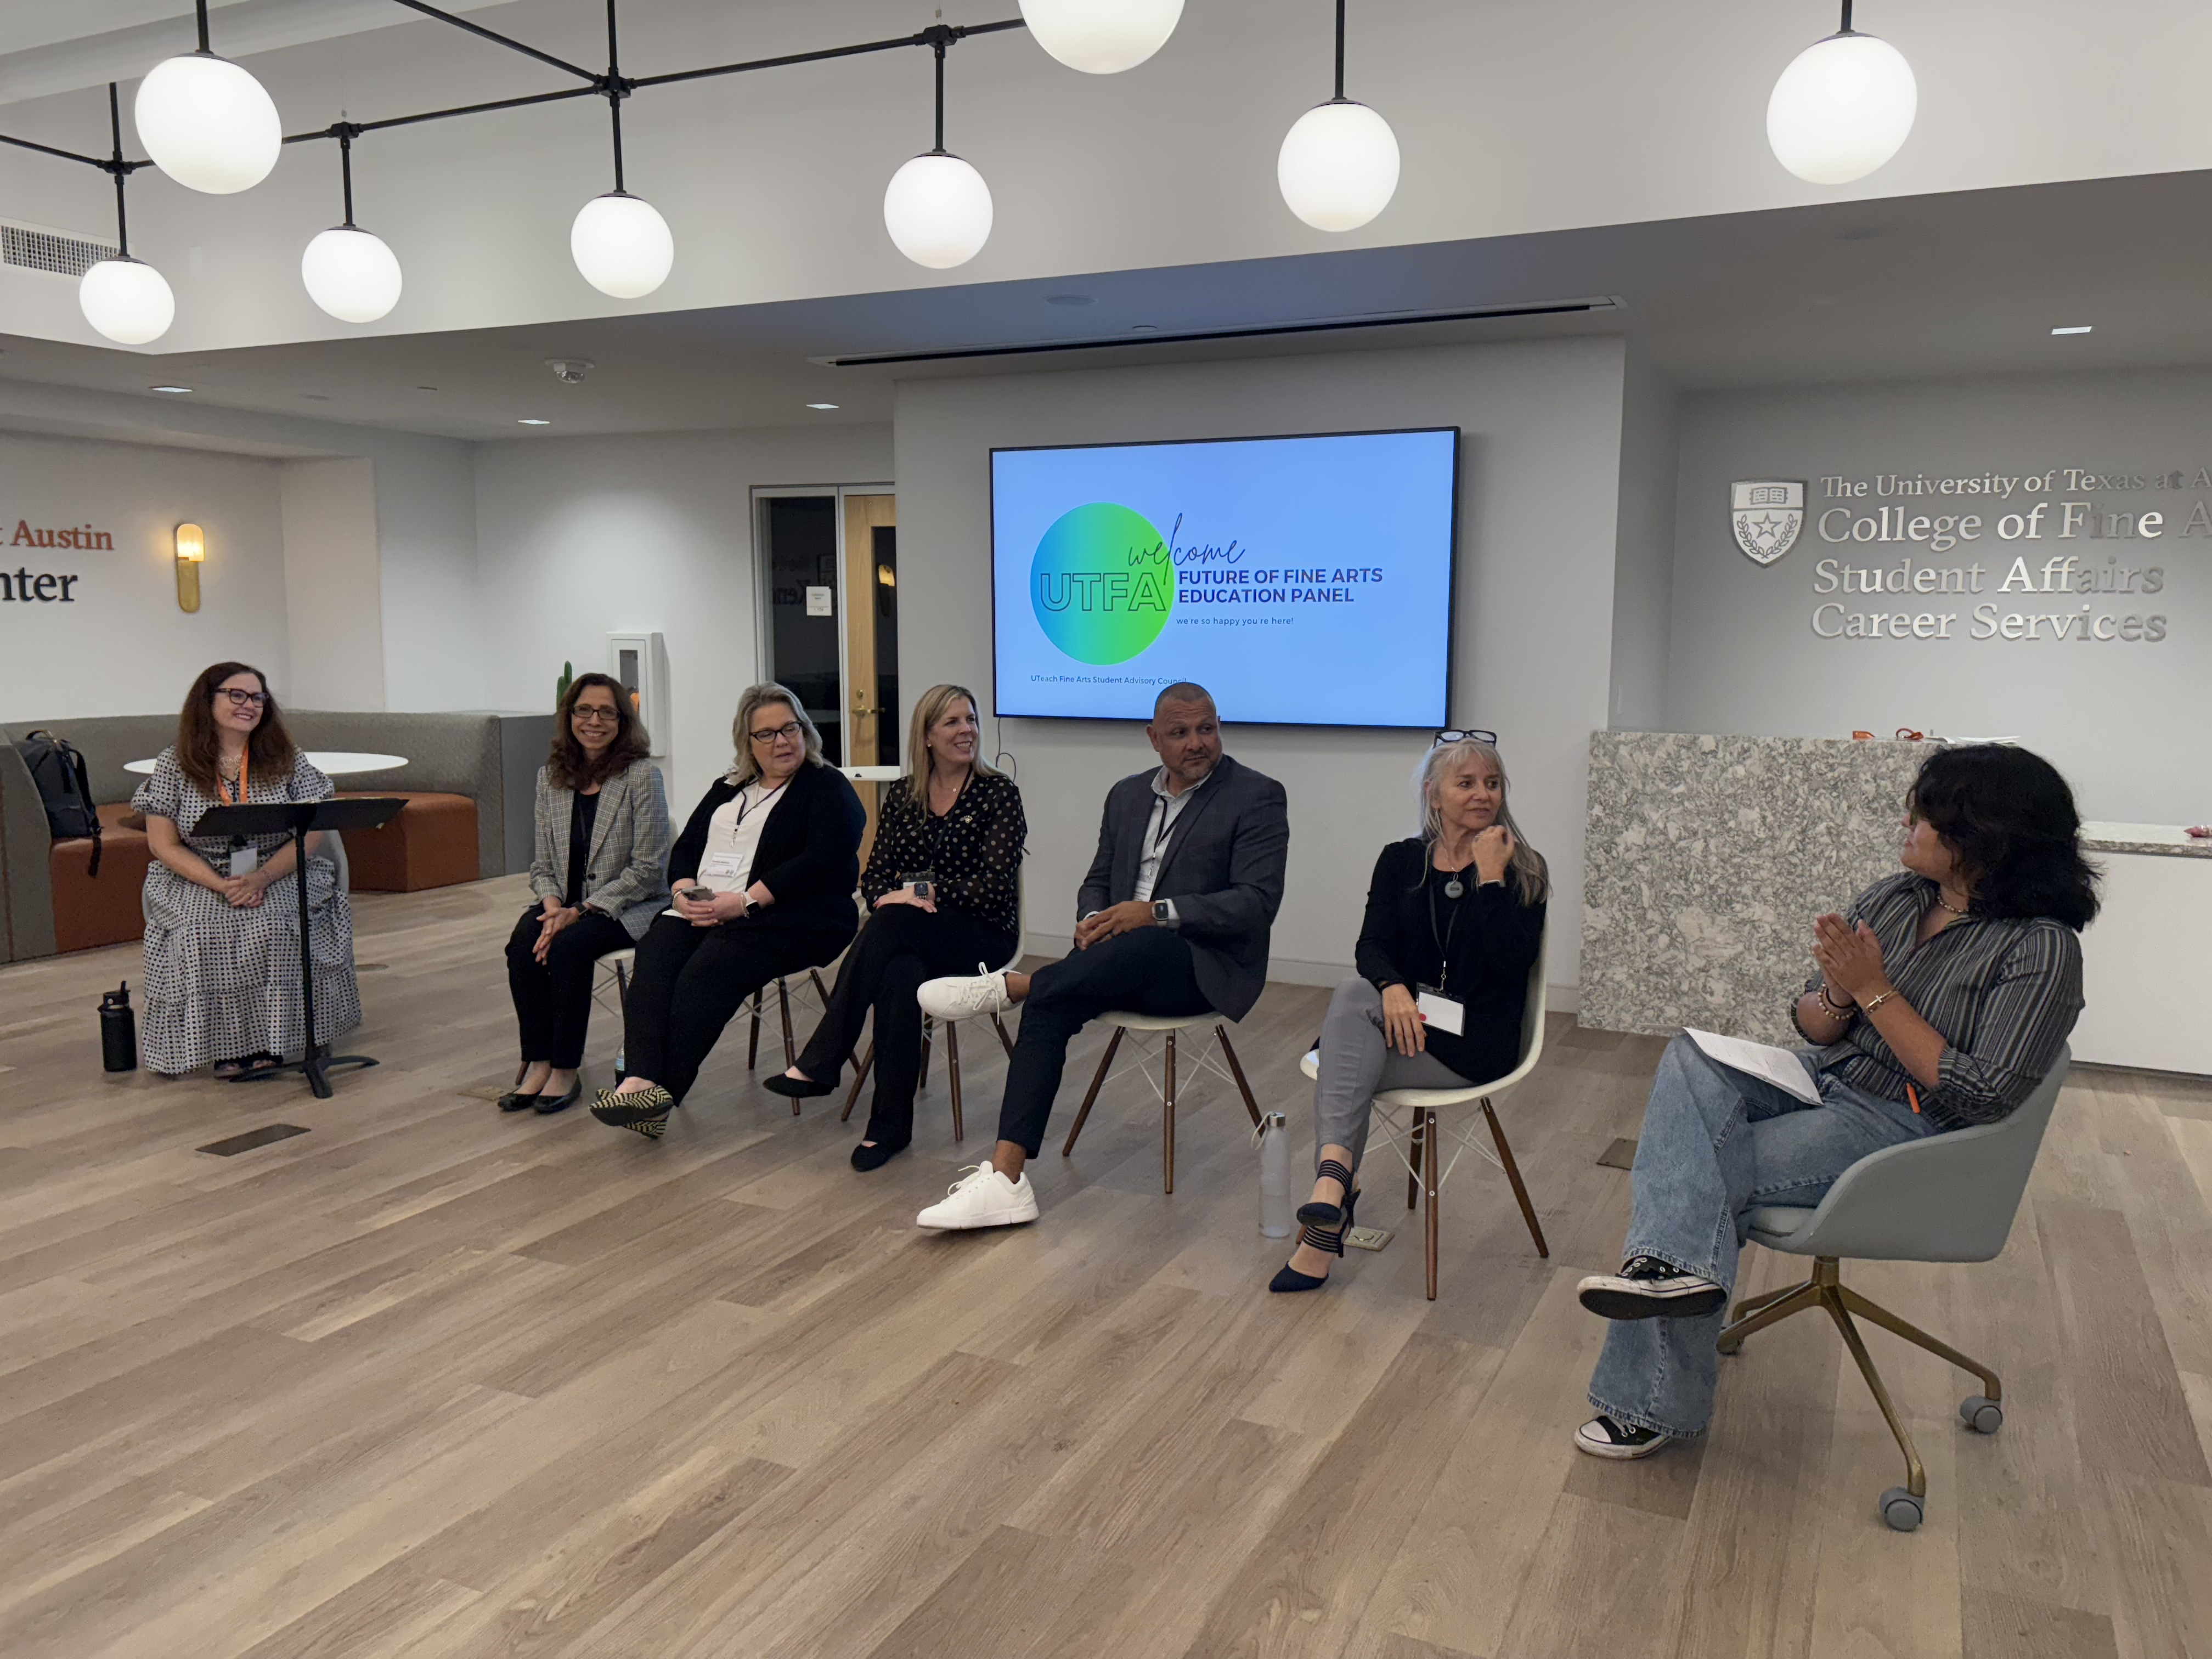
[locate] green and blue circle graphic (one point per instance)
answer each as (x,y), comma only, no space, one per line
(1102,583)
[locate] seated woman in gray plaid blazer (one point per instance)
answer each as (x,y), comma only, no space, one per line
(600,874)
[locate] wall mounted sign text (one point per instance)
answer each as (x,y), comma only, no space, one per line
(23,585)
(2003,527)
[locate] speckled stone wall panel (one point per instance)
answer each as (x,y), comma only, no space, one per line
(1706,860)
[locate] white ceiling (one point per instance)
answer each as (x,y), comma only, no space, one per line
(1969,283)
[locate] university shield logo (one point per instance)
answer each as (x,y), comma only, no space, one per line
(1767,516)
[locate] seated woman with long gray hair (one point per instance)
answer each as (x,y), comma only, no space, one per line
(1455,919)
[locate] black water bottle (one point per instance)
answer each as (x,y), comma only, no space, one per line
(118,1031)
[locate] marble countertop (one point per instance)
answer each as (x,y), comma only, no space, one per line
(2165,840)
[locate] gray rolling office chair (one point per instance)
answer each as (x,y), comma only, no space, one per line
(1949,1198)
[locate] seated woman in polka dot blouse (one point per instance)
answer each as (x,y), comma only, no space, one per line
(943,891)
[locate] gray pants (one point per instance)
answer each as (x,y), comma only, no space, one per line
(1357,1061)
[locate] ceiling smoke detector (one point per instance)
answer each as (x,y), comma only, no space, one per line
(569,371)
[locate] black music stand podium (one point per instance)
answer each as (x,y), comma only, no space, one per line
(299,819)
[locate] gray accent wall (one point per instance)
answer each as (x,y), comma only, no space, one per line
(2123,718)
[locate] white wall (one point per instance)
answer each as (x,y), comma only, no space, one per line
(1541,427)
(578,537)
(333,586)
(120,646)
(1644,564)
(2124,719)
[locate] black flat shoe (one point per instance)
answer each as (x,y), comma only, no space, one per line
(866,1158)
(797,1088)
(518,1101)
(548,1106)
(247,1066)
(1314,1213)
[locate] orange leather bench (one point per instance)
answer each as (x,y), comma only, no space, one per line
(431,843)
(105,910)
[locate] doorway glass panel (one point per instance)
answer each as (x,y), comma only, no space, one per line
(804,626)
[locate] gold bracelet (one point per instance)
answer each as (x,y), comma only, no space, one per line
(1868,1007)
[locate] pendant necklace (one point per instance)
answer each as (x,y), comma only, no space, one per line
(1455,888)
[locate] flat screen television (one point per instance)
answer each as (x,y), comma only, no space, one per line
(1305,581)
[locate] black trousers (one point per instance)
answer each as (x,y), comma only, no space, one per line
(553,997)
(1145,972)
(689,980)
(899,948)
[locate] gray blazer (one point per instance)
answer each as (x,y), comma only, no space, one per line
(1224,869)
(627,875)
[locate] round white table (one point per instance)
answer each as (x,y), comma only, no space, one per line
(331,762)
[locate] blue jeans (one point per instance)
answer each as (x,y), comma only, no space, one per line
(1715,1144)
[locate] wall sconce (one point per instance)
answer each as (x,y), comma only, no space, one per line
(191,552)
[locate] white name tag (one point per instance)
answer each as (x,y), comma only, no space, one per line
(244,861)
(724,864)
(1442,1012)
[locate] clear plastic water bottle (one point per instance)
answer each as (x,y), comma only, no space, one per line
(1277,1213)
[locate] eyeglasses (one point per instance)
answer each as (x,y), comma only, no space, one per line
(584,715)
(243,698)
(1476,735)
(778,734)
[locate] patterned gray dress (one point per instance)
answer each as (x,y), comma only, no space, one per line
(223,982)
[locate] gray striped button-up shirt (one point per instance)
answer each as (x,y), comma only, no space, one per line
(2004,991)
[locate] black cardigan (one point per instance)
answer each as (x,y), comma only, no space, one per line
(809,854)
(1492,946)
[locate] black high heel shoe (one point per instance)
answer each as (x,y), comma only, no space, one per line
(1316,1214)
(1287,1278)
(797,1088)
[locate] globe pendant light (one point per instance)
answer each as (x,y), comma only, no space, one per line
(619,241)
(348,271)
(1338,168)
(937,208)
(1842,108)
(1101,37)
(207,123)
(126,299)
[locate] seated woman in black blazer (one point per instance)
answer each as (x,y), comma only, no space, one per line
(1455,914)
(957,821)
(763,876)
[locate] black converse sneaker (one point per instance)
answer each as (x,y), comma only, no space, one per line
(1648,1288)
(1602,1436)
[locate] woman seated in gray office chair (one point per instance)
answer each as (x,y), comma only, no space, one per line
(1454,918)
(1942,997)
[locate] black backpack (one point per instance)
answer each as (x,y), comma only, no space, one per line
(57,769)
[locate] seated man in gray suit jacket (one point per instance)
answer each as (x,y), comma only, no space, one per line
(1173,918)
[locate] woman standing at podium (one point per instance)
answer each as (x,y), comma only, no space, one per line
(223,931)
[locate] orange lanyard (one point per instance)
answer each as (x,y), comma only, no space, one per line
(222,789)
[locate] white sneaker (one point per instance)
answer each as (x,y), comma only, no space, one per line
(964,997)
(982,1198)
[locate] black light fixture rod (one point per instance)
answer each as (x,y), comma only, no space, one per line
(122,219)
(522,102)
(615,91)
(64,154)
(1846,29)
(940,98)
(955,33)
(1340,47)
(202,10)
(345,169)
(477,29)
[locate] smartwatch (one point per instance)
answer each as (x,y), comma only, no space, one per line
(1161,913)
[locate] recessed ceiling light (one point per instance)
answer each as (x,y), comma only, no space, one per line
(1144,328)
(1069,299)
(822,405)
(176,390)
(426,388)
(2081,328)
(527,421)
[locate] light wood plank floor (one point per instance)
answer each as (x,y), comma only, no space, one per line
(428,1381)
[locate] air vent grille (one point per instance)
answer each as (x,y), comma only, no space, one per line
(28,248)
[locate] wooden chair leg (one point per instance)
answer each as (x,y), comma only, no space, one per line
(1005,1042)
(928,1038)
(867,1065)
(1429,1182)
(1229,1052)
(790,1054)
(1167,1122)
(1413,1165)
(1513,1175)
(1091,1094)
(752,1047)
(520,1071)
(815,974)
(952,1074)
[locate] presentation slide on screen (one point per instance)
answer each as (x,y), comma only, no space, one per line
(1306,582)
